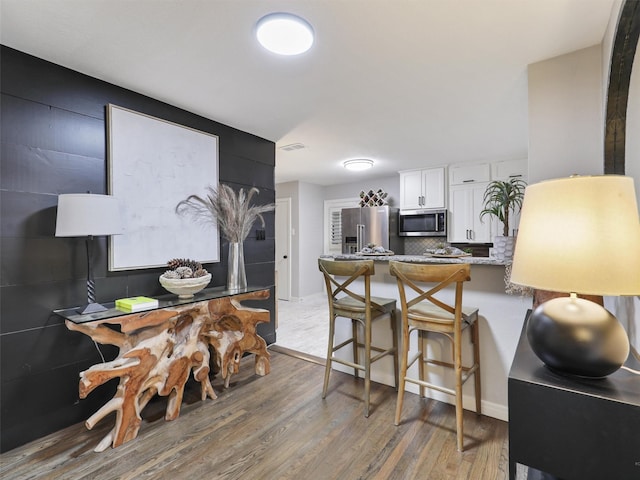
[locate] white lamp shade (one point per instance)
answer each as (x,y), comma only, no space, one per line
(581,235)
(85,214)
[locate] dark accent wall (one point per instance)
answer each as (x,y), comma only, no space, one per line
(53,137)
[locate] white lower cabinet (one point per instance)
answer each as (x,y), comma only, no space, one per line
(465,203)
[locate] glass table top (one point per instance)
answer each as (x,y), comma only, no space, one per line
(164,301)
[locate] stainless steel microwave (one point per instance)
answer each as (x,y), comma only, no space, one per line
(422,223)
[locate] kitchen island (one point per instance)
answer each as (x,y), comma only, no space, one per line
(501,317)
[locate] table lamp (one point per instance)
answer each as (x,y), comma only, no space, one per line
(579,235)
(88,215)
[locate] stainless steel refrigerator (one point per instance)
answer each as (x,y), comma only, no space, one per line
(370,225)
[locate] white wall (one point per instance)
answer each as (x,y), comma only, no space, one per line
(632,136)
(310,238)
(631,306)
(391,185)
(307,210)
(566,121)
(607,48)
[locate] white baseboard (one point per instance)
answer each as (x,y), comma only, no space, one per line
(308,298)
(490,409)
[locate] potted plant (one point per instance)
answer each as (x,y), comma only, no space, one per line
(502,198)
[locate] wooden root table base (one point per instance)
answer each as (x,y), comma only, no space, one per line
(158,350)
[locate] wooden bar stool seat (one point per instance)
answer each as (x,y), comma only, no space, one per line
(354,301)
(428,314)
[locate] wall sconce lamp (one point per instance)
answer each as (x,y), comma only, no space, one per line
(88,215)
(579,235)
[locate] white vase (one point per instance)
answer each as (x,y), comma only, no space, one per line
(503,247)
(236,275)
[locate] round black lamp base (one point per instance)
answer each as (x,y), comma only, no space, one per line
(577,337)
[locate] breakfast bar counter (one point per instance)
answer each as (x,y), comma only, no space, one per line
(501,316)
(422,259)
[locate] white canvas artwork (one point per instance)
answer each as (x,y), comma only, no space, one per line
(153,165)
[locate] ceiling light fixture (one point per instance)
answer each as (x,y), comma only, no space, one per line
(358,164)
(284,33)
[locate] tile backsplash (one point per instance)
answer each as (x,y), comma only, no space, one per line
(418,245)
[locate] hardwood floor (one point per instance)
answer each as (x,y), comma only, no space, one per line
(278,427)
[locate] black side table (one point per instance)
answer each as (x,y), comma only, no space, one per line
(573,428)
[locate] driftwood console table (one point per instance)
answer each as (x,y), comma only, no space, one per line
(159,348)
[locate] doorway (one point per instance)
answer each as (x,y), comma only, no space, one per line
(283,248)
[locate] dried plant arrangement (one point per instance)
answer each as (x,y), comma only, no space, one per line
(229,210)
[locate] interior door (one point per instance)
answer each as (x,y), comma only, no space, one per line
(283,248)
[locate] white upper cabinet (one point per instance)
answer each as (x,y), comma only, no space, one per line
(422,188)
(509,169)
(411,189)
(463,174)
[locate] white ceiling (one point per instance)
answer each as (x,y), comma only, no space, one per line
(408,83)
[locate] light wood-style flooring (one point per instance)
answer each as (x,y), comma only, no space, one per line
(278,427)
(303,325)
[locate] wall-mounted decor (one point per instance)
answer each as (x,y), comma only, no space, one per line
(153,165)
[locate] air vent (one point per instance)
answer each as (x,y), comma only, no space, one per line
(292,146)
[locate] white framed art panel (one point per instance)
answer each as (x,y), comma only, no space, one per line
(154,164)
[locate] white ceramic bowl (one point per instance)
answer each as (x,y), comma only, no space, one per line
(185,287)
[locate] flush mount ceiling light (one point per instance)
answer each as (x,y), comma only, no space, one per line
(284,33)
(358,164)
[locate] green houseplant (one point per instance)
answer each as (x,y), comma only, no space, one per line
(501,198)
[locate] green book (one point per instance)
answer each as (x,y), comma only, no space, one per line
(136,304)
